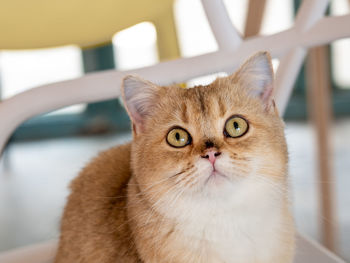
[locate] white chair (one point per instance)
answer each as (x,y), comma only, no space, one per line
(290,46)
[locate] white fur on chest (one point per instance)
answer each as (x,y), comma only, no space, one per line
(241,224)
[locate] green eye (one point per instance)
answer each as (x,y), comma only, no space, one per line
(235,127)
(178,137)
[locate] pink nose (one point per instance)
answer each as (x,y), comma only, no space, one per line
(211,156)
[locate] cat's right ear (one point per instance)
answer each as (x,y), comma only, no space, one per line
(140,97)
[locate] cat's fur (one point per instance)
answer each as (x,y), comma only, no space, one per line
(149,202)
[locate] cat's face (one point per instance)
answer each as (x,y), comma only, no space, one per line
(205,140)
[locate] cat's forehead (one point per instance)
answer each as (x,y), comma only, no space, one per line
(206,101)
(202,102)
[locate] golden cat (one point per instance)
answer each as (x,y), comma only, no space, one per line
(204,179)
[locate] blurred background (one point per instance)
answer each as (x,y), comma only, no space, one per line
(46,152)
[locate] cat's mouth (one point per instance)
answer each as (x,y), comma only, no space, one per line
(216,177)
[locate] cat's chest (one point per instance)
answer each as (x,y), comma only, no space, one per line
(239,231)
(234,238)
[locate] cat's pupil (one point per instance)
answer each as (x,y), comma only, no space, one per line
(235,124)
(177,136)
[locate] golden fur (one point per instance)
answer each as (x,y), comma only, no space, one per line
(149,202)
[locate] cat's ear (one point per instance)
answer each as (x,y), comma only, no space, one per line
(139,97)
(256,76)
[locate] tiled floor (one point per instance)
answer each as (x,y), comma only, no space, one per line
(34,178)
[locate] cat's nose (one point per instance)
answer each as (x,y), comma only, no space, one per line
(211,155)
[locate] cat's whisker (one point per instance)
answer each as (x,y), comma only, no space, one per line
(150,185)
(241,159)
(180,181)
(153,184)
(239,163)
(242,170)
(183,171)
(189,182)
(164,195)
(278,188)
(149,212)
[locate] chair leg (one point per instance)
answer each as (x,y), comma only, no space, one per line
(255,14)
(167,41)
(319,101)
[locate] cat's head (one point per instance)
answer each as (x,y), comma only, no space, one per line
(204,141)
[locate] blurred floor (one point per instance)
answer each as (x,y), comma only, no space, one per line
(34,178)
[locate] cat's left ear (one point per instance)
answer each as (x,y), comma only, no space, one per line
(256,76)
(140,97)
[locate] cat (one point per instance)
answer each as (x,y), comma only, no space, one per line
(203,180)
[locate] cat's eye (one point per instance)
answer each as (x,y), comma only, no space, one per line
(236,127)
(178,137)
